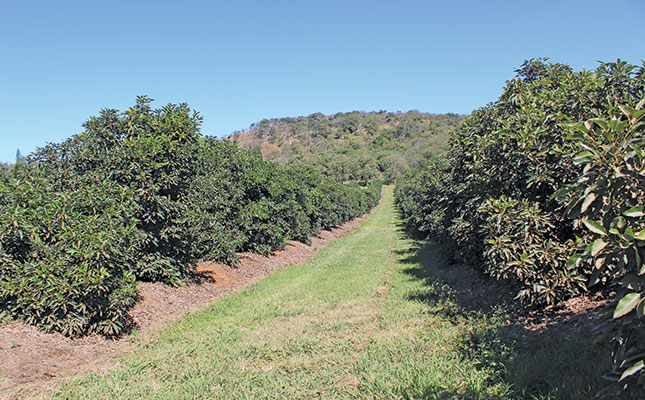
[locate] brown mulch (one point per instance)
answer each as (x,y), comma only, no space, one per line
(32,361)
(568,316)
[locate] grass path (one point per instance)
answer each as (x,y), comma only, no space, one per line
(353,322)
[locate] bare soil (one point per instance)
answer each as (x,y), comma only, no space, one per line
(32,361)
(570,315)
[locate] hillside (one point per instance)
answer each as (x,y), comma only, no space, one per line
(355,145)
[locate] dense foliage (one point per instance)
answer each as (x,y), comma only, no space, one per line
(355,146)
(64,254)
(142,195)
(609,199)
(545,187)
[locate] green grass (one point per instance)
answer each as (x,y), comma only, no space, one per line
(363,319)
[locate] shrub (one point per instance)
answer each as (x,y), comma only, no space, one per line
(520,248)
(67,262)
(148,151)
(608,198)
(516,149)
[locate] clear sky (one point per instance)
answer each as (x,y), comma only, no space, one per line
(238,62)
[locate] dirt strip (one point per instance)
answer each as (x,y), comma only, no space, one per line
(32,361)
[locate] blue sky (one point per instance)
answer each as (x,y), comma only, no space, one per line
(240,62)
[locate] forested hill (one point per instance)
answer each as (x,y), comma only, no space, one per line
(355,145)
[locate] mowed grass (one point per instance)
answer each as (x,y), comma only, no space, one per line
(353,322)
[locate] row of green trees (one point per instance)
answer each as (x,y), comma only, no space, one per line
(142,195)
(545,187)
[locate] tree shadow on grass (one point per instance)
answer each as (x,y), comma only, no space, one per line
(552,355)
(468,288)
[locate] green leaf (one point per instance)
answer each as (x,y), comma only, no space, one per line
(640,104)
(638,114)
(626,304)
(594,226)
(637,211)
(574,211)
(572,261)
(640,235)
(597,246)
(583,157)
(593,279)
(577,127)
(637,150)
(601,123)
(587,202)
(619,222)
(637,366)
(627,110)
(632,282)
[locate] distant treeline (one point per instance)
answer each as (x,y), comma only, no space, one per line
(355,145)
(545,187)
(5,170)
(142,195)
